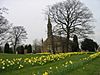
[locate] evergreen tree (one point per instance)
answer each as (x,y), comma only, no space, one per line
(6,48)
(1,50)
(26,47)
(89,44)
(22,49)
(75,45)
(29,48)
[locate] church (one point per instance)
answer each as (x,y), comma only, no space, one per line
(58,42)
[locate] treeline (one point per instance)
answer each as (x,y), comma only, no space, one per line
(24,49)
(19,50)
(85,45)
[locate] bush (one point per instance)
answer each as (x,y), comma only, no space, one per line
(89,44)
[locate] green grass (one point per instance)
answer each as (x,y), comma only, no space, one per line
(11,56)
(92,67)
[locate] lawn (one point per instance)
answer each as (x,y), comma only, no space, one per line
(92,68)
(47,64)
(11,56)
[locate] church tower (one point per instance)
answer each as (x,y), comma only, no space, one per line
(49,28)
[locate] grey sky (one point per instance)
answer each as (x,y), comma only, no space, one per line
(30,14)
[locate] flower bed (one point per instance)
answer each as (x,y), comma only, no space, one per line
(70,65)
(18,63)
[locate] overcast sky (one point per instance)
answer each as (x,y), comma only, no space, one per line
(30,14)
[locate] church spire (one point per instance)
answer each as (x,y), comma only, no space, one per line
(49,27)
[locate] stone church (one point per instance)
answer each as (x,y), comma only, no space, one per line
(59,43)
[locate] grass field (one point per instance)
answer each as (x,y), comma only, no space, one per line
(76,63)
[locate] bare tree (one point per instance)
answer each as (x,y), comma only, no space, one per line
(18,34)
(4,27)
(71,17)
(37,45)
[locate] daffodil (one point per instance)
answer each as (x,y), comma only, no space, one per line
(70,62)
(50,67)
(3,67)
(56,67)
(46,73)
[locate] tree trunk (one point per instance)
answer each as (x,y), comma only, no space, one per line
(14,48)
(15,45)
(67,42)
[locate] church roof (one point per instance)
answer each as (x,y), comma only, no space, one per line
(56,39)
